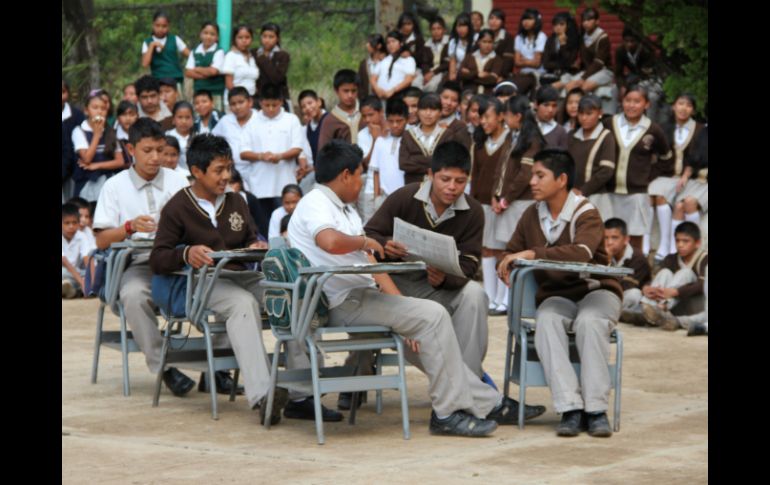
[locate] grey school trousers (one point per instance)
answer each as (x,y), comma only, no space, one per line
(452,385)
(235,297)
(467,307)
(591,319)
(666,279)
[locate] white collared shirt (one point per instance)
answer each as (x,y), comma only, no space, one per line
(66,112)
(245,72)
(211,209)
(365,142)
(491,145)
(314,124)
(385,161)
(80,142)
(681,132)
(217,62)
(76,249)
(627,254)
(126,196)
(580,134)
(274,228)
(552,228)
(458,49)
(528,48)
(229,128)
(183,141)
(160,115)
(547,126)
(322,209)
(423,195)
(276,135)
(180,45)
(429,139)
(627,131)
(403,67)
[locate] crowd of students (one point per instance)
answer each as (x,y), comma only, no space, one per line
(501,141)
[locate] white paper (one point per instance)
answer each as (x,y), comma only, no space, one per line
(437,250)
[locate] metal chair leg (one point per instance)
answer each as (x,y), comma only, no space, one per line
(124,349)
(618,379)
(402,386)
(236,374)
(97,341)
(522,378)
(210,358)
(316,390)
(273,383)
(163,355)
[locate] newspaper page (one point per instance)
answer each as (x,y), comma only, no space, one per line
(437,250)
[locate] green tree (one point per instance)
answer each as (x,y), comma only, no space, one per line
(679,30)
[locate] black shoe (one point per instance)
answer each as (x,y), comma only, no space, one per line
(572,423)
(508,412)
(224,383)
(345,398)
(460,423)
(178,383)
(305,409)
(280,398)
(697,329)
(598,425)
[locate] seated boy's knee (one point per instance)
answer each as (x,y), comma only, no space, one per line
(474,292)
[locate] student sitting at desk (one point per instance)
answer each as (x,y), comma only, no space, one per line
(204,218)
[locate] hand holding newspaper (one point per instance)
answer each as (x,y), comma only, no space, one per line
(437,250)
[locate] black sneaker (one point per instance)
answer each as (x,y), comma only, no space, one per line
(599,425)
(178,383)
(508,412)
(460,423)
(305,409)
(223,380)
(280,398)
(572,423)
(697,329)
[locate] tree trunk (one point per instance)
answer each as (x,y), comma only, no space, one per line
(80,15)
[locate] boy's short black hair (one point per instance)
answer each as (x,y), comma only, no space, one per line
(307,93)
(371,101)
(590,13)
(173,142)
(396,106)
(146,83)
(235,177)
(270,91)
(237,91)
(617,223)
(345,76)
(558,161)
(207,93)
(144,128)
(589,102)
(334,158)
(79,202)
(429,101)
(167,81)
(284,223)
(546,94)
(452,86)
(689,228)
(125,105)
(451,154)
(412,92)
(70,210)
(205,148)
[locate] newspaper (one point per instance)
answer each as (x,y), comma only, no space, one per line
(437,250)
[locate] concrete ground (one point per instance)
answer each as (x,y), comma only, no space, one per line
(108,438)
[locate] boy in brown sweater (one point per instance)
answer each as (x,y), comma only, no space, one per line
(563,226)
(204,218)
(622,254)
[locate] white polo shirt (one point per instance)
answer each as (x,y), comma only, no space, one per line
(274,229)
(127,195)
(66,112)
(80,142)
(275,135)
(364,142)
(217,62)
(321,209)
(404,66)
(385,161)
(180,45)
(228,127)
(528,48)
(76,249)
(183,141)
(245,73)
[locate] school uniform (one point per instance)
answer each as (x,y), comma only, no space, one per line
(475,62)
(162,116)
(388,79)
(124,197)
(313,133)
(354,300)
(88,183)
(640,63)
(213,56)
(186,221)
(486,158)
(664,184)
(165,63)
(71,118)
(628,194)
(698,185)
(595,158)
(512,186)
(184,142)
(527,77)
(243,69)
(504,48)
(229,128)
(340,125)
(75,250)
(632,284)
(199,128)
(275,222)
(416,150)
(439,63)
(365,204)
(557,60)
(273,68)
(587,305)
(595,59)
(458,49)
(385,162)
(688,278)
(463,298)
(555,135)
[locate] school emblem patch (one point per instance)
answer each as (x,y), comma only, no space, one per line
(236,222)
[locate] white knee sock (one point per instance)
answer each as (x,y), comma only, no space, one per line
(674,223)
(694,217)
(646,244)
(488,268)
(502,295)
(664,224)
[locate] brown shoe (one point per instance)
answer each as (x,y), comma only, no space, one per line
(652,314)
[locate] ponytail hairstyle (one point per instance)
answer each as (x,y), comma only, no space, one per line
(394,34)
(529,131)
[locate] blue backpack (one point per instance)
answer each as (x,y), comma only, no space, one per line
(169,293)
(282,265)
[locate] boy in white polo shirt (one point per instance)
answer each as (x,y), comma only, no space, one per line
(272,145)
(384,162)
(328,231)
(74,251)
(129,204)
(232,126)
